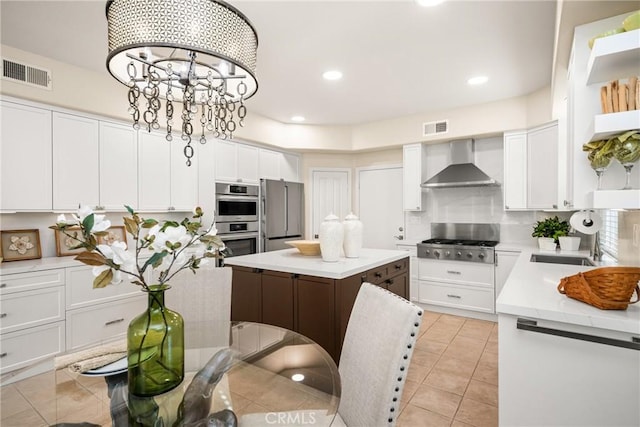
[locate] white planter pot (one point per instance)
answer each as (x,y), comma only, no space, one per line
(569,243)
(546,244)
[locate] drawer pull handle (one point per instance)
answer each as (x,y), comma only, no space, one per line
(3,315)
(453,272)
(454,296)
(111,322)
(398,266)
(378,275)
(3,285)
(3,354)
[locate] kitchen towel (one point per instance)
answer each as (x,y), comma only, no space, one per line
(92,358)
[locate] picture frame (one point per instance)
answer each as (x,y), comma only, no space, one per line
(64,243)
(116,233)
(18,245)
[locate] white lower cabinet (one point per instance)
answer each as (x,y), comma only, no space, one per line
(505,260)
(22,310)
(27,346)
(462,285)
(80,291)
(103,322)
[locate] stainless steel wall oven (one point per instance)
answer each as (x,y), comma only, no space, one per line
(236,217)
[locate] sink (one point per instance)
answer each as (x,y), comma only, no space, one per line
(553,259)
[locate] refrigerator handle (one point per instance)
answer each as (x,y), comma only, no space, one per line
(286,209)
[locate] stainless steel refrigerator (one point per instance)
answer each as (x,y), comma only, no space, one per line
(281,213)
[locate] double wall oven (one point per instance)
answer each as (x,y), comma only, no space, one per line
(237,210)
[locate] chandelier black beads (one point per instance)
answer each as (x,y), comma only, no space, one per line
(198,53)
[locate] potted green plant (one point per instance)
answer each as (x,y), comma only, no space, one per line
(549,230)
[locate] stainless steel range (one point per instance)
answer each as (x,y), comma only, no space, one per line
(461,242)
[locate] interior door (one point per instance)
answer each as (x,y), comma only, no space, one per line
(380,206)
(330,194)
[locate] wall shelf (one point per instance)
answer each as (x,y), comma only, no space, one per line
(615,199)
(606,125)
(614,57)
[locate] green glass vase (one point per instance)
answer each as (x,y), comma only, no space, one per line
(155,347)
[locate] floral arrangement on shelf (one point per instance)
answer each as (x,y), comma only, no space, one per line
(171,246)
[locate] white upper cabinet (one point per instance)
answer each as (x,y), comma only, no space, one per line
(278,165)
(118,166)
(515,170)
(165,182)
(413,164)
(531,169)
(236,162)
(25,158)
(75,162)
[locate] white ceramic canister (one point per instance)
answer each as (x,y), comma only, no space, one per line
(331,236)
(352,236)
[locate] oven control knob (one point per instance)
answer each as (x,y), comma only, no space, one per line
(481,255)
(437,254)
(427,252)
(458,254)
(447,253)
(469,254)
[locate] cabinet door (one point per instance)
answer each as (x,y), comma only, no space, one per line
(412,177)
(184,179)
(542,167)
(118,166)
(25,158)
(515,170)
(75,162)
(346,291)
(226,160)
(269,164)
(504,264)
(277,299)
(154,173)
(315,311)
(247,164)
(246,295)
(289,167)
(398,285)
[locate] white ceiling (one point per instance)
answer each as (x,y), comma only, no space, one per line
(397,58)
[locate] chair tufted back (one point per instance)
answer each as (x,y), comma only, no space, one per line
(378,346)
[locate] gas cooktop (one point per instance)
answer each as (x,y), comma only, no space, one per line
(459,242)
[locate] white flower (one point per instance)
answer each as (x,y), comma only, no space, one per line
(171,235)
(115,279)
(82,213)
(117,252)
(62,219)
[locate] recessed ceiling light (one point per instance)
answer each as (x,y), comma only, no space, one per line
(297,377)
(429,3)
(478,80)
(332,75)
(297,119)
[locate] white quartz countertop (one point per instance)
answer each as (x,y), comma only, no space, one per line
(291,261)
(49,263)
(531,292)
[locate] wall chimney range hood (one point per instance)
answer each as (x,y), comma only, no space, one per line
(461,172)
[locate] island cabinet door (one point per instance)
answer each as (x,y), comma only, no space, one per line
(315,311)
(277,299)
(246,294)
(398,285)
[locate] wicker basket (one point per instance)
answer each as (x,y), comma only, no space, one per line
(608,288)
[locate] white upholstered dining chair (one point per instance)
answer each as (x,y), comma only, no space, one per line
(378,345)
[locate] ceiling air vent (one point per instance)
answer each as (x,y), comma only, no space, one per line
(435,128)
(23,73)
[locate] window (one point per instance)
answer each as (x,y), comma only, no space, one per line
(609,233)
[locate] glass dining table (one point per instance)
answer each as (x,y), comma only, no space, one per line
(276,377)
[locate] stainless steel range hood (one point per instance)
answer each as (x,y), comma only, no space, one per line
(461,172)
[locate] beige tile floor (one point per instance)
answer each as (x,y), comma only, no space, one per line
(452,381)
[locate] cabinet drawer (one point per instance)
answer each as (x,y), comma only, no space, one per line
(377,275)
(28,346)
(464,297)
(397,267)
(80,291)
(32,308)
(91,325)
(467,273)
(32,280)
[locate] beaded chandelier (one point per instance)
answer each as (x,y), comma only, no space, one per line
(199,53)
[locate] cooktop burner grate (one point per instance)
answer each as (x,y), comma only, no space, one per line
(458,242)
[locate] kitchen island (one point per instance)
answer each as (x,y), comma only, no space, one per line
(555,368)
(302,293)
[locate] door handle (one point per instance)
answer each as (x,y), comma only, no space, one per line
(400,237)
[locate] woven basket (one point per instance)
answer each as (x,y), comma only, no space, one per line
(608,288)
